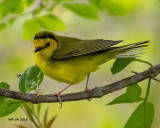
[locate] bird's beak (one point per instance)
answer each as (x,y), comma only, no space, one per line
(37,49)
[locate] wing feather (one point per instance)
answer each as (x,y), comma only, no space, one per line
(69,47)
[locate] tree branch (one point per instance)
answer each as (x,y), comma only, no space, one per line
(97,92)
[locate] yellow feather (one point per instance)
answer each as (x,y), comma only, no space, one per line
(74,69)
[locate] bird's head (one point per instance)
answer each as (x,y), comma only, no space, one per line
(45,43)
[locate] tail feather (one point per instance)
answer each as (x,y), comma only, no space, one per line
(139,43)
(134,50)
(127,56)
(131,50)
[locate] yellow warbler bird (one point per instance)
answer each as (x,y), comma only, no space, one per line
(70,60)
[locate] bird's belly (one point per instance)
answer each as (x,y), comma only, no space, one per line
(66,72)
(74,70)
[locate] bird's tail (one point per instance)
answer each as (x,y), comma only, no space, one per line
(131,50)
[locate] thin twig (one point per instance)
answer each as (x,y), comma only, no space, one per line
(156,79)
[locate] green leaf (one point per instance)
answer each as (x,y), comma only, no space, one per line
(45,118)
(30,28)
(5,86)
(96,3)
(46,1)
(28,112)
(8,6)
(140,120)
(51,22)
(51,121)
(29,2)
(7,106)
(18,8)
(11,21)
(30,79)
(2,26)
(120,64)
(89,11)
(114,7)
(38,108)
(134,91)
(62,0)
(3,10)
(31,106)
(132,94)
(39,10)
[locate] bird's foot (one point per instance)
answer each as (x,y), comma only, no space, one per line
(58,94)
(88,90)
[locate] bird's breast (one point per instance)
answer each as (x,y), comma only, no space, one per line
(71,71)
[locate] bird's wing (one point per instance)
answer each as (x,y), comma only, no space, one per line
(67,49)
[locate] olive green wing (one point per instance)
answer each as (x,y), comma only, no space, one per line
(70,47)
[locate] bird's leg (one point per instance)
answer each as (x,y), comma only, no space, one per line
(86,88)
(59,93)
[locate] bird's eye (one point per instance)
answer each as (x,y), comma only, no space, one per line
(48,44)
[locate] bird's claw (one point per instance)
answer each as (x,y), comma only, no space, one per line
(59,98)
(88,90)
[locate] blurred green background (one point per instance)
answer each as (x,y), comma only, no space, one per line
(131,21)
